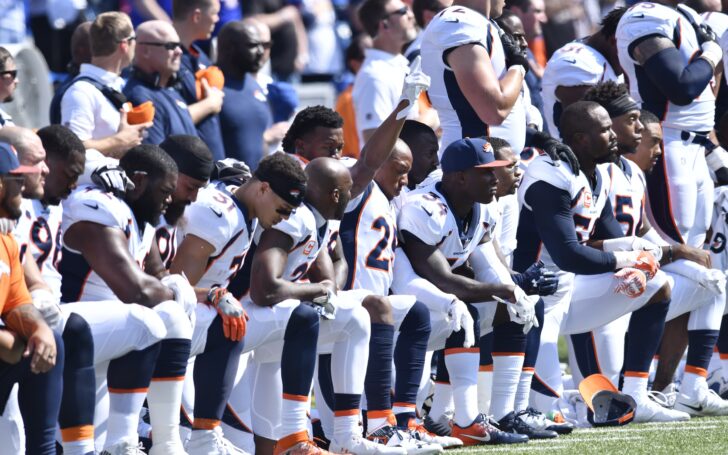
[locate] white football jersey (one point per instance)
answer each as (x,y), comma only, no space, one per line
(221,220)
(89,203)
(452,27)
(573,65)
(38,230)
(627,190)
(719,230)
(309,232)
(647,18)
(587,205)
(368,234)
(427,216)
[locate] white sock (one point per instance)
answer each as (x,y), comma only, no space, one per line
(506,376)
(293,415)
(441,400)
(485,388)
(164,400)
(376,419)
(635,386)
(81,447)
(346,426)
(692,381)
(123,416)
(524,390)
(463,369)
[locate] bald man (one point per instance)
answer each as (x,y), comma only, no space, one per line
(155,67)
(30,153)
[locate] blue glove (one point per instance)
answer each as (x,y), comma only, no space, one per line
(537,280)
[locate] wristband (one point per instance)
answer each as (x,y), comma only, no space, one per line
(520,69)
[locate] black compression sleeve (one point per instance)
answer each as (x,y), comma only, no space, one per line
(680,84)
(555,224)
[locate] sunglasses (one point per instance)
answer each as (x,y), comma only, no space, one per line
(263,44)
(398,12)
(170,45)
(12,73)
(128,39)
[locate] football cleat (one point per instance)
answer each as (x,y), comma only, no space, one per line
(390,436)
(211,442)
(358,445)
(649,411)
(439,427)
(705,403)
(483,431)
(512,423)
(666,398)
(719,384)
(420,433)
(130,446)
(539,421)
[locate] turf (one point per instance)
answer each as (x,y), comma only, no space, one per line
(698,436)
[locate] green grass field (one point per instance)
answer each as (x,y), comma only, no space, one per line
(698,436)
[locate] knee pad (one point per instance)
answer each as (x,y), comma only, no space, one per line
(303,317)
(175,320)
(360,322)
(79,342)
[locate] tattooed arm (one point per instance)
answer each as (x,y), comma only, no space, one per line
(29,326)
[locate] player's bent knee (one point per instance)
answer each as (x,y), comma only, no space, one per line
(662,295)
(380,311)
(78,340)
(303,316)
(149,322)
(418,317)
(360,321)
(175,320)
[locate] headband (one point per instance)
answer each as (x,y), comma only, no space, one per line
(290,191)
(621,105)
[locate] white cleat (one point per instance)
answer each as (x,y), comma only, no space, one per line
(167,449)
(358,445)
(420,433)
(666,398)
(130,446)
(393,437)
(649,411)
(211,442)
(705,402)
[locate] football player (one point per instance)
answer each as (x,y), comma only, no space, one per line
(115,283)
(669,57)
(696,289)
(561,208)
(578,65)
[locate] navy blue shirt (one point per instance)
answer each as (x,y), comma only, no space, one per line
(244,118)
(208,128)
(171,115)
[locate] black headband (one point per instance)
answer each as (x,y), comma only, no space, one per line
(620,106)
(190,164)
(290,191)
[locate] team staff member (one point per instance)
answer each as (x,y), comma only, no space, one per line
(153,77)
(195,20)
(92,106)
(30,353)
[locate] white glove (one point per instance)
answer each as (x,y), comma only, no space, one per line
(112,179)
(415,82)
(633,244)
(459,318)
(713,280)
(523,311)
(6,225)
(48,307)
(325,305)
(711,52)
(184,293)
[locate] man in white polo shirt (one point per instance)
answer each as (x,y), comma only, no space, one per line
(378,84)
(8,84)
(92,106)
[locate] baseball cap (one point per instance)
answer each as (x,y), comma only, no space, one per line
(9,163)
(607,405)
(468,153)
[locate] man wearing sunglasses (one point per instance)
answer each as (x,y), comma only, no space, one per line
(379,82)
(8,84)
(154,78)
(92,105)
